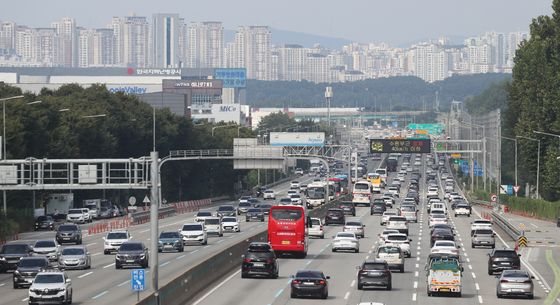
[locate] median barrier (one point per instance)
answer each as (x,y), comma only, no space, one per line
(185,287)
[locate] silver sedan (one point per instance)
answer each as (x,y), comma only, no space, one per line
(515,283)
(74,257)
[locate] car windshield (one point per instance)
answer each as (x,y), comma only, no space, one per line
(397,237)
(32,262)
(245,204)
(226,208)
(315,222)
(169,235)
(49,279)
(254,211)
(389,213)
(204,214)
(361,186)
(14,249)
(354,223)
(117,235)
(131,247)
(45,244)
(212,221)
(437,216)
(434,212)
(75,211)
(192,228)
(373,266)
(286,200)
(72,251)
(345,235)
(406,208)
(67,228)
(484,232)
(309,274)
(389,250)
(43,218)
(515,274)
(505,253)
(462,206)
(392,219)
(482,222)
(280,214)
(444,244)
(229,219)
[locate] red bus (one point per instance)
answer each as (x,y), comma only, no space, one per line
(287,232)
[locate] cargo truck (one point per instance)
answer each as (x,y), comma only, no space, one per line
(444,276)
(59,204)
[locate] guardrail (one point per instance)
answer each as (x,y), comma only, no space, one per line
(507,227)
(144,216)
(198,277)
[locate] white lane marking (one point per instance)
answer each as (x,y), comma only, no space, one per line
(419,243)
(2,284)
(415,284)
(347,295)
(206,246)
(96,254)
(91,244)
(123,283)
(414,297)
(85,274)
(25,300)
(480,299)
(370,251)
(219,241)
(415,273)
(473,275)
(144,231)
(180,257)
(195,251)
(353,283)
(476,285)
(466,254)
(416,266)
(216,288)
(468,260)
(418,258)
(367,257)
(470,266)
(164,264)
(100,295)
(105,267)
(534,225)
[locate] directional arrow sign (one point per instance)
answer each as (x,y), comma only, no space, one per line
(146,199)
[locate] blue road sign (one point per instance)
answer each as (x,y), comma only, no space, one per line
(138,280)
(509,190)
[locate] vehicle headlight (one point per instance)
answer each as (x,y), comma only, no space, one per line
(2,258)
(142,256)
(16,273)
(160,243)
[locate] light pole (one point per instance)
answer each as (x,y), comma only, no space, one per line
(538,160)
(328,96)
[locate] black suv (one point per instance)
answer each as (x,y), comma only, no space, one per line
(27,269)
(374,273)
(11,253)
(226,210)
(44,223)
(348,208)
(378,206)
(441,234)
(335,216)
(259,260)
(499,260)
(69,233)
(132,253)
(254,214)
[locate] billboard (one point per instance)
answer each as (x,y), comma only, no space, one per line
(232,77)
(399,145)
(297,138)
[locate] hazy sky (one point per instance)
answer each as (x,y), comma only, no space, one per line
(393,21)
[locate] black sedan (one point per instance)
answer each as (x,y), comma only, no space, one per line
(254,214)
(441,234)
(309,283)
(44,223)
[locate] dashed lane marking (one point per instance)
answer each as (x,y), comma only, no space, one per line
(347,295)
(180,257)
(353,283)
(415,284)
(415,273)
(473,275)
(110,265)
(480,299)
(123,283)
(414,297)
(100,295)
(470,266)
(476,286)
(85,274)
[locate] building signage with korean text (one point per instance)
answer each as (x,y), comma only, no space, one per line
(400,145)
(232,77)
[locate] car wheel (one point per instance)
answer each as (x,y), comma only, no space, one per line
(293,295)
(531,296)
(182,249)
(360,286)
(16,286)
(69,300)
(333,250)
(80,242)
(390,286)
(246,220)
(159,250)
(472,245)
(401,269)
(325,296)
(357,250)
(117,266)
(105,252)
(499,296)
(493,246)
(490,272)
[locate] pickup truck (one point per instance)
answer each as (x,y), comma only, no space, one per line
(444,276)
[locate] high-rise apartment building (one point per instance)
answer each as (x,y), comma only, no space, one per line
(292,59)
(67,35)
(165,40)
(96,48)
(253,51)
(205,47)
(7,38)
(132,41)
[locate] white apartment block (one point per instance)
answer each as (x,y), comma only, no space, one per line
(96,48)
(67,35)
(205,45)
(7,37)
(252,50)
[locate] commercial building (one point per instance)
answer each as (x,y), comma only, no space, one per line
(165,41)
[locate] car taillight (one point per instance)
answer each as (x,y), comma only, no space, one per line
(296,282)
(528,281)
(322,282)
(504,281)
(246,260)
(321,227)
(269,261)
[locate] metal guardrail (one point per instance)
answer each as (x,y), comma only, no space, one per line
(144,216)
(511,230)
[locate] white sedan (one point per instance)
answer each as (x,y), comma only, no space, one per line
(345,241)
(230,224)
(269,194)
(437,219)
(445,246)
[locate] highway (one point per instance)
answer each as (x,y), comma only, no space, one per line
(408,288)
(103,284)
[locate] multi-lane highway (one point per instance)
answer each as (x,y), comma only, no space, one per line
(103,284)
(408,288)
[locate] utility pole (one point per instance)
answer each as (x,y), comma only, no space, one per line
(154,209)
(328,96)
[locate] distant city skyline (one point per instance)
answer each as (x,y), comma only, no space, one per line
(395,22)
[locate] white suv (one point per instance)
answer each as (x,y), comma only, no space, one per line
(194,233)
(76,216)
(269,194)
(49,286)
(114,239)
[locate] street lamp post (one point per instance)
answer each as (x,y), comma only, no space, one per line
(538,160)
(515,141)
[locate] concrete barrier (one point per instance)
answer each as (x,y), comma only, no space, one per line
(182,289)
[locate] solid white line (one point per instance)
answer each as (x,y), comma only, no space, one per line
(84,275)
(353,283)
(480,299)
(414,297)
(216,288)
(123,283)
(100,295)
(105,267)
(476,285)
(415,284)
(347,295)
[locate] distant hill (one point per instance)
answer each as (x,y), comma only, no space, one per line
(396,93)
(282,37)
